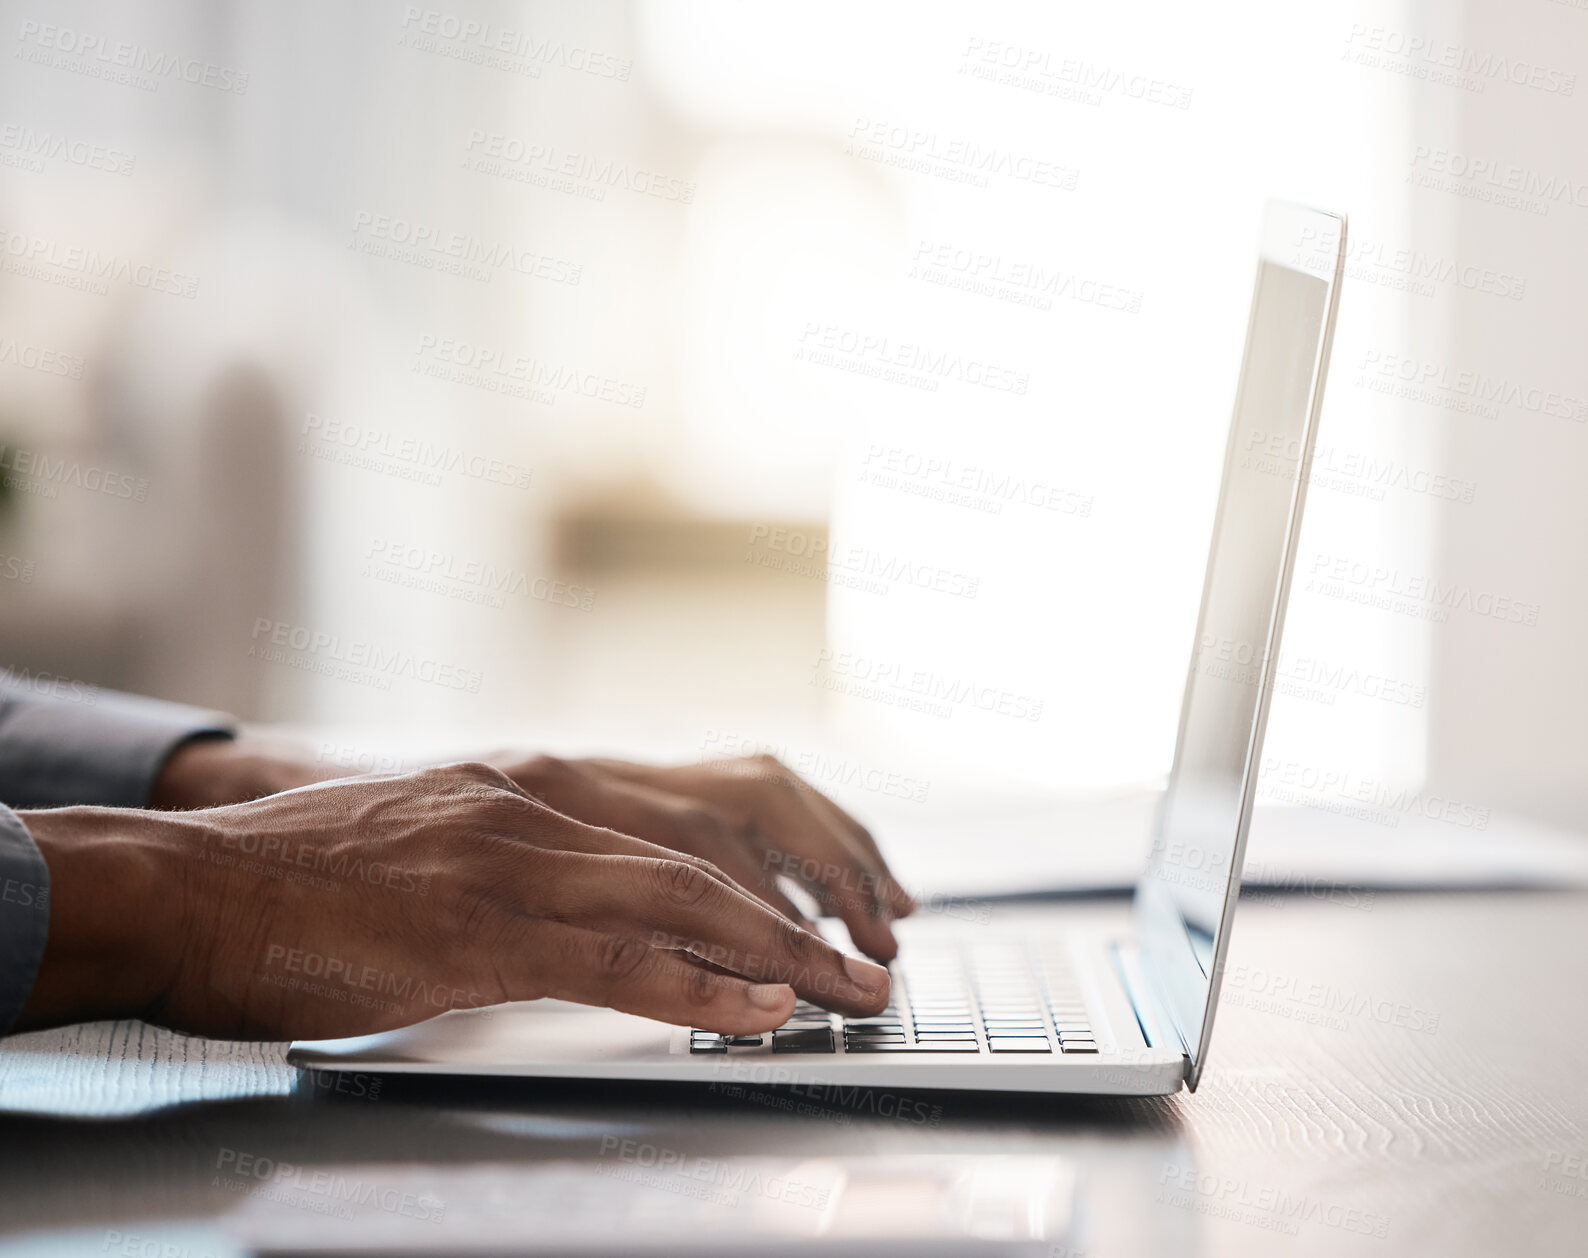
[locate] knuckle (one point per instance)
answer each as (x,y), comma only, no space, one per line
(800,945)
(771,768)
(620,957)
(701,986)
(549,770)
(479,784)
(710,869)
(683,883)
(477,772)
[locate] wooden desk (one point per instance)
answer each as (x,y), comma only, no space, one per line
(1402,1078)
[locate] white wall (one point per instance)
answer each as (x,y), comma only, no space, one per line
(1509,718)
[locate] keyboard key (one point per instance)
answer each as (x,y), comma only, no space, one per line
(744,1041)
(937,1046)
(1022,1044)
(702,1043)
(808,1040)
(1077,1046)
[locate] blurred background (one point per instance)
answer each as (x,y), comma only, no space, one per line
(718,377)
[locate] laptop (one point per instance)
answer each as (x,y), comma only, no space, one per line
(1032,1006)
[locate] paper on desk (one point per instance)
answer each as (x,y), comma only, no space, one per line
(1100,844)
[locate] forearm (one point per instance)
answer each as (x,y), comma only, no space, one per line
(115,904)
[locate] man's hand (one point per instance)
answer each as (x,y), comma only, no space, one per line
(752,817)
(363,904)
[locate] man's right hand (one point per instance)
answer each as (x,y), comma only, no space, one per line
(363,904)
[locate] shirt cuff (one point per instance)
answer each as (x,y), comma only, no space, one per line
(100,747)
(24,915)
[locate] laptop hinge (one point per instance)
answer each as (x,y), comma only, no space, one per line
(1126,958)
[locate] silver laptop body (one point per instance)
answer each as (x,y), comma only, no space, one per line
(1031,1007)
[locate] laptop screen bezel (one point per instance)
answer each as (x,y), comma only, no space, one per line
(1311,242)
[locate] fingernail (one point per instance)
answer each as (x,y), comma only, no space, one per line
(770,995)
(866,976)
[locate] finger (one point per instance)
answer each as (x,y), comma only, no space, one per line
(623,973)
(704,834)
(682,907)
(899,900)
(534,822)
(761,795)
(815,851)
(669,820)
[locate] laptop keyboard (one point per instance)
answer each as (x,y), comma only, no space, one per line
(984,996)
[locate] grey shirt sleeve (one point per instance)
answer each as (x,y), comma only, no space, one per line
(24,915)
(64,743)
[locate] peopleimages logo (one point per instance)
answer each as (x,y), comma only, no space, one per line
(455,252)
(721,1182)
(917,689)
(1262,1206)
(514,374)
(1391,589)
(955,158)
(317,1191)
(1293,781)
(47,475)
(120,60)
(1484,179)
(36,358)
(473,580)
(412,457)
(886,358)
(80,266)
(813,555)
(943,479)
(1421,50)
(545,165)
(500,47)
(1071,78)
(36,147)
(278,642)
(1483,389)
(1269,991)
(1019,282)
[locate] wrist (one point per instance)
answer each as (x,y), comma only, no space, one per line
(212,772)
(115,898)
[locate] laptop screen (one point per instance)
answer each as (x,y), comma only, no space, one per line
(1192,878)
